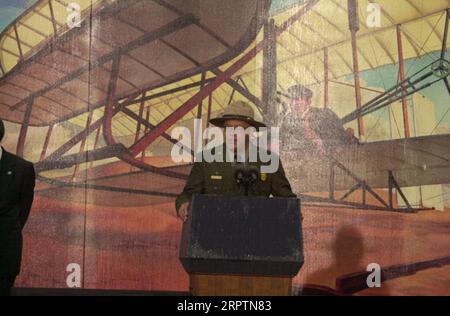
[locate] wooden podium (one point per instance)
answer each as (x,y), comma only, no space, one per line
(238,245)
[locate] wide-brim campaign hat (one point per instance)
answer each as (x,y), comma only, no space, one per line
(238,110)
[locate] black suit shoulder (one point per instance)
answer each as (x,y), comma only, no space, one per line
(17,160)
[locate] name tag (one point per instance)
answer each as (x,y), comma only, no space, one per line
(216,177)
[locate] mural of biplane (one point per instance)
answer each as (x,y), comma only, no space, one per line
(90,70)
(133,70)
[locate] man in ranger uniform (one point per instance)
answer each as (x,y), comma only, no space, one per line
(219,177)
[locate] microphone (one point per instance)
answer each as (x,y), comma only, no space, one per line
(245,175)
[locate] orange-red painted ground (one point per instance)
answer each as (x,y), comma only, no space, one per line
(137,248)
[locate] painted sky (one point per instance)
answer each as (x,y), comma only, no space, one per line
(10,9)
(386,76)
(280,4)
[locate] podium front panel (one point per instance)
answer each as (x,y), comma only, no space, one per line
(242,235)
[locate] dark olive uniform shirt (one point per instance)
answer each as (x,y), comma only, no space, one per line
(218,178)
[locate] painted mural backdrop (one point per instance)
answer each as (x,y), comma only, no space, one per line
(90,91)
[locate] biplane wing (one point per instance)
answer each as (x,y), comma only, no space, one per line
(413,162)
(116,185)
(67,72)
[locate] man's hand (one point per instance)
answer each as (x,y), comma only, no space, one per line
(183,211)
